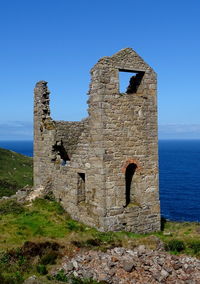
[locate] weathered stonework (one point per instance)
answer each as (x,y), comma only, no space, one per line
(104,169)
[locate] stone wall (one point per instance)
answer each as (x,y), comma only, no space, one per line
(104,169)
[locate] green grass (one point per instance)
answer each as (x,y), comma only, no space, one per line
(181,237)
(45,222)
(43,219)
(15,172)
(46,219)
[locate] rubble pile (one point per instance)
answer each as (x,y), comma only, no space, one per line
(120,265)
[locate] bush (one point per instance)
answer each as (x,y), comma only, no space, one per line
(11,278)
(60,276)
(7,188)
(108,237)
(41,269)
(75,226)
(75,280)
(4,258)
(49,258)
(175,245)
(11,207)
(50,196)
(195,246)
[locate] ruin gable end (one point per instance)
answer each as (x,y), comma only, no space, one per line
(104,169)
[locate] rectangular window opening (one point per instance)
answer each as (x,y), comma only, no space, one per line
(81,187)
(129,81)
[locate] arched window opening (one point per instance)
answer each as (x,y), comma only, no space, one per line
(81,187)
(130,170)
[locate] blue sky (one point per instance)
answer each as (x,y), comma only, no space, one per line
(59,41)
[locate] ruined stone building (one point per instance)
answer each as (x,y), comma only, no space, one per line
(104,169)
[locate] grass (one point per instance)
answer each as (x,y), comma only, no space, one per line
(181,237)
(35,236)
(43,219)
(15,172)
(27,230)
(46,220)
(44,223)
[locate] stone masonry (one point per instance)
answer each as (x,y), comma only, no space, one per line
(104,169)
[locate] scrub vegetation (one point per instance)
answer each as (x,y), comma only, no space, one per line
(35,236)
(41,233)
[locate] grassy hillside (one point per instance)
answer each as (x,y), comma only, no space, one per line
(34,237)
(15,172)
(46,220)
(39,234)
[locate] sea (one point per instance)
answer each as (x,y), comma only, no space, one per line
(179,169)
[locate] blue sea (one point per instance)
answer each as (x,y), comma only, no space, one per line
(179,163)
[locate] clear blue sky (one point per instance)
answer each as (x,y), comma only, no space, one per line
(59,41)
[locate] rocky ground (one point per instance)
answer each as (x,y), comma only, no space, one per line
(140,265)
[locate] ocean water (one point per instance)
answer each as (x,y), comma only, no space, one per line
(22,147)
(179,166)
